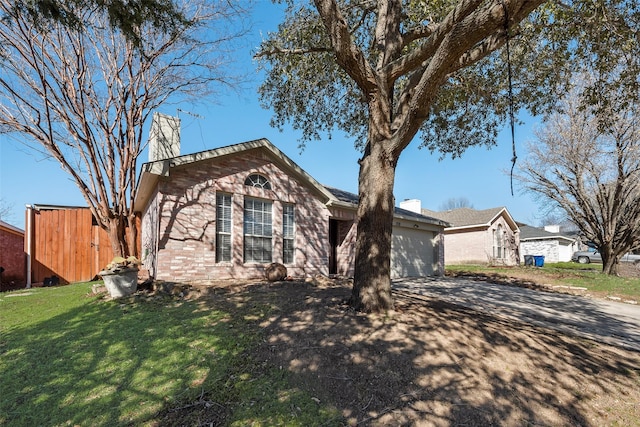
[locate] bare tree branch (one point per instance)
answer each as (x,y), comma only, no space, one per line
(83,96)
(587,164)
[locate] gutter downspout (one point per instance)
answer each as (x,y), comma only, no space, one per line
(29,242)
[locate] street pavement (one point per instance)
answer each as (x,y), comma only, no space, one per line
(601,320)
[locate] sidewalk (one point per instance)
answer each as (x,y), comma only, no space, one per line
(604,321)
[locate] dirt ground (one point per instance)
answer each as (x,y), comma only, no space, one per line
(629,270)
(430,363)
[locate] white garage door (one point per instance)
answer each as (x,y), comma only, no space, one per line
(412,253)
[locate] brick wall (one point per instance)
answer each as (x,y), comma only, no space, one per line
(12,258)
(475,245)
(186,206)
(468,246)
(511,242)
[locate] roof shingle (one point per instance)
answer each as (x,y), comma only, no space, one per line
(464,217)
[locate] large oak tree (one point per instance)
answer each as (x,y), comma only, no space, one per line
(387,71)
(383,72)
(82,94)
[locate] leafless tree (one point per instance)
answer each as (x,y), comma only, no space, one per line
(559,217)
(5,210)
(456,203)
(83,96)
(586,161)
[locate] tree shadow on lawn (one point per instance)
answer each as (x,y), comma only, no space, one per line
(109,363)
(158,362)
(433,363)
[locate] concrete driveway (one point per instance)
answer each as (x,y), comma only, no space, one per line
(604,321)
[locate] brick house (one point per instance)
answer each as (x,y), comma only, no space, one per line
(229,212)
(489,236)
(12,258)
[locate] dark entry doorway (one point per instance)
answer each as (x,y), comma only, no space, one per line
(333,246)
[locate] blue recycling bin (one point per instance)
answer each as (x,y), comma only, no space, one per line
(538,260)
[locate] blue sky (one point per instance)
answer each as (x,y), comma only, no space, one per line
(479,176)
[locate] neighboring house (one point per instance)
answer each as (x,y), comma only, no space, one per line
(229,212)
(64,242)
(476,236)
(12,260)
(548,242)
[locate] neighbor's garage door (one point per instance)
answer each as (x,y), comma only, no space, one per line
(412,253)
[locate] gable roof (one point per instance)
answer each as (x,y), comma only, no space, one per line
(462,218)
(152,171)
(528,232)
(10,228)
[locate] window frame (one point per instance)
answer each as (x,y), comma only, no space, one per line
(257,233)
(224,254)
(498,243)
(288,233)
(257,180)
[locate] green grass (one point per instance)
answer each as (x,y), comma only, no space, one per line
(566,273)
(71,359)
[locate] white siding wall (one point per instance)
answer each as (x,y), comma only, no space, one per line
(552,249)
(547,248)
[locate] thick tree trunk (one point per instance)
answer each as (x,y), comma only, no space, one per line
(133,236)
(609,261)
(118,236)
(372,276)
(610,267)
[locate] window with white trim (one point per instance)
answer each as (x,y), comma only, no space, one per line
(223,227)
(288,234)
(258,230)
(258,181)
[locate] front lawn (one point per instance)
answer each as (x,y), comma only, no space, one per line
(70,358)
(626,286)
(293,354)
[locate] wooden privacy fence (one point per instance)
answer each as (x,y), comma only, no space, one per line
(65,242)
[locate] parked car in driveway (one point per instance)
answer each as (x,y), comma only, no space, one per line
(586,257)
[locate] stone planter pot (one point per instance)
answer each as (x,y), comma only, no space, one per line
(120,283)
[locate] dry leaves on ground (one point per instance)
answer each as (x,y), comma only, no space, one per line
(433,363)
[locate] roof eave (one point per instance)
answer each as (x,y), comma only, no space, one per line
(152,171)
(514,225)
(568,239)
(424,219)
(467,227)
(11,228)
(336,203)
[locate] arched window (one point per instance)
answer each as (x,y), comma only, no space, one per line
(498,248)
(258,181)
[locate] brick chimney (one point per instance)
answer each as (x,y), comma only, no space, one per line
(164,137)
